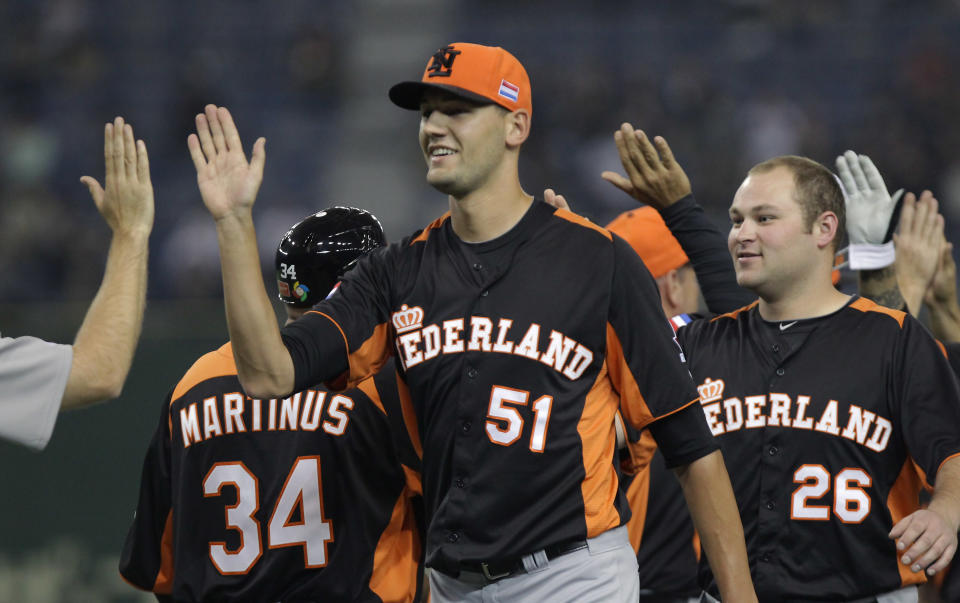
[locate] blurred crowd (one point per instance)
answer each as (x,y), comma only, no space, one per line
(728,83)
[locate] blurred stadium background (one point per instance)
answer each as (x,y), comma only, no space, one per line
(727,82)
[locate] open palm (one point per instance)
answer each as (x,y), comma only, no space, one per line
(228,183)
(126,198)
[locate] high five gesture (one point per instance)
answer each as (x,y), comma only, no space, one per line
(228,183)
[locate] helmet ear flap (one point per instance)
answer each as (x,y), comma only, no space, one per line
(318,250)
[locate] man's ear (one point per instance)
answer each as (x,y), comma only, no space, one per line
(517,124)
(825,228)
(670,287)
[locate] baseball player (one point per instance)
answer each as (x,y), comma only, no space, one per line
(923,274)
(37,378)
(301,498)
(826,467)
(660,528)
(519,330)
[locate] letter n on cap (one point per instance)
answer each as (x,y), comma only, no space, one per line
(442,63)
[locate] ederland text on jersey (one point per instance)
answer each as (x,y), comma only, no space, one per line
(417,343)
(780,410)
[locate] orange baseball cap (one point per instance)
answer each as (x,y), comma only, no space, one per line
(485,74)
(649,236)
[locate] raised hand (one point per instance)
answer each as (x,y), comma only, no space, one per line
(869,206)
(943,288)
(126,198)
(918,246)
(941,298)
(228,183)
(653,175)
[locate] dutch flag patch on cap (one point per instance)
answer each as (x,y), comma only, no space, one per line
(509,91)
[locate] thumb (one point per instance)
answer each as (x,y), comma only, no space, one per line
(259,156)
(96,191)
(618,181)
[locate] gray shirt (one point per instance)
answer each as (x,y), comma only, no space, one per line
(33,377)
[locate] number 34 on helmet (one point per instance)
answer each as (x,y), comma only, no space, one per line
(316,252)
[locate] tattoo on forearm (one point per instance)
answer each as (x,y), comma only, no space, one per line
(878,274)
(890,299)
(881,287)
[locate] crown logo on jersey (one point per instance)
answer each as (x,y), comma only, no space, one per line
(408,319)
(710,390)
(441,65)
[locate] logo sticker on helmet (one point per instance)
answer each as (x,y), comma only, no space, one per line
(301,290)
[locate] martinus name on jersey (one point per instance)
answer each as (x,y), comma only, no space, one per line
(234,413)
(417,343)
(725,415)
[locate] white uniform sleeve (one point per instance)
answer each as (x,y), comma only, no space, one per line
(33,377)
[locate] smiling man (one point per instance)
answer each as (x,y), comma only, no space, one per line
(520,328)
(786,217)
(830,410)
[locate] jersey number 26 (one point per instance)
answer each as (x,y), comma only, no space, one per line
(851,503)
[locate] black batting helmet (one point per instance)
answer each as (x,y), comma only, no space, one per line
(319,249)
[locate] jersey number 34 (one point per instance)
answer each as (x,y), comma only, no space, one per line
(302,491)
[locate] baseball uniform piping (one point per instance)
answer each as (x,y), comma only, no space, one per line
(736,313)
(624,383)
(394,576)
(598,442)
(581,221)
(638,492)
(218,363)
(369,387)
(409,417)
(425,234)
(865,305)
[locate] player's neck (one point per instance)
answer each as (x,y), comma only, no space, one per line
(804,300)
(489,212)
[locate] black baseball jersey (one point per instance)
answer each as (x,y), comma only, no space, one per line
(660,527)
(661,530)
(947,582)
(828,427)
(297,499)
(517,353)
